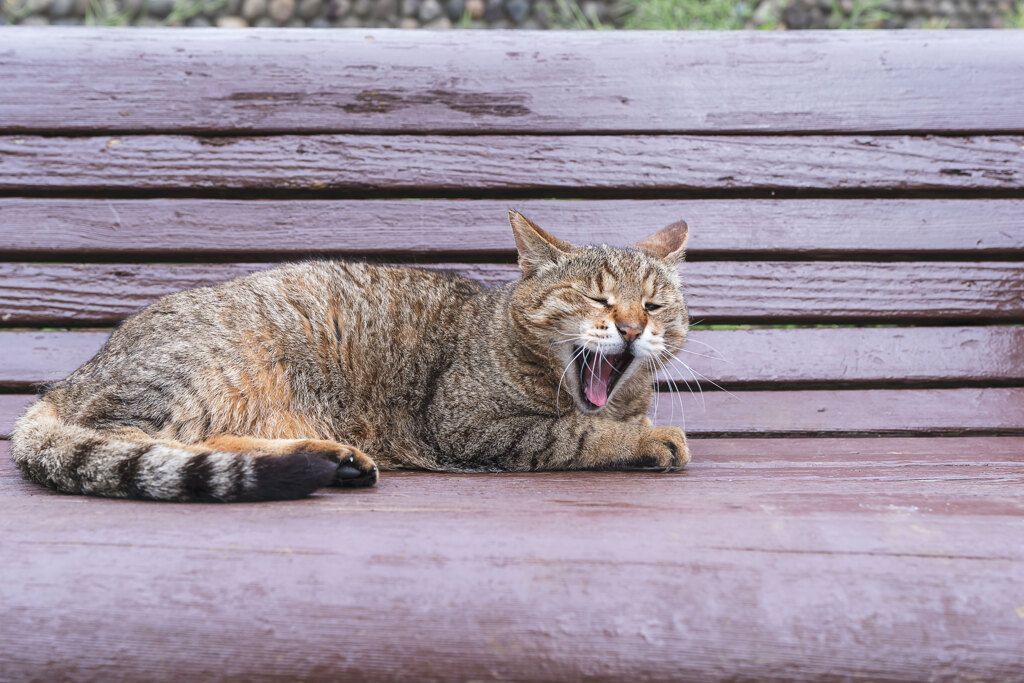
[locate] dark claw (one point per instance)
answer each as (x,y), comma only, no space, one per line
(351,477)
(644,461)
(347,472)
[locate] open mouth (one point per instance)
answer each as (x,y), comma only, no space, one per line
(600,373)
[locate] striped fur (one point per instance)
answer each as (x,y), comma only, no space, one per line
(273,385)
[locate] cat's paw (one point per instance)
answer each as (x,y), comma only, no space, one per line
(355,468)
(662,447)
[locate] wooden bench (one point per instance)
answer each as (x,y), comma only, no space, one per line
(855,507)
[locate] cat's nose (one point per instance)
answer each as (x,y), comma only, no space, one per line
(629,331)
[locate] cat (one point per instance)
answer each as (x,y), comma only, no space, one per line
(275,384)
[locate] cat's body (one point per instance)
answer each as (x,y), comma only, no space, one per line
(274,384)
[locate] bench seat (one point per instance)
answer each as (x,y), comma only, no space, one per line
(856,281)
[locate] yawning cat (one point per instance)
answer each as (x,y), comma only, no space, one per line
(275,384)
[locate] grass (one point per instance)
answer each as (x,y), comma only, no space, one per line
(1015,19)
(107,12)
(719,15)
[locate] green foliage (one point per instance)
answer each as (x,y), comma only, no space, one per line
(108,13)
(721,15)
(863,14)
(184,10)
(570,15)
(1015,19)
(105,13)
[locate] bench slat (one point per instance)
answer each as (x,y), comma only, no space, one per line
(895,572)
(571,165)
(366,80)
(726,291)
(147,228)
(964,411)
(834,357)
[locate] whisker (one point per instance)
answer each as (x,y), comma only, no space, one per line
(708,379)
(703,343)
(689,388)
(558,391)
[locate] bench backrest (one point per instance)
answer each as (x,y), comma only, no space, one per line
(856,201)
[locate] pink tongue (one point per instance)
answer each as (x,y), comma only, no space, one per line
(595,381)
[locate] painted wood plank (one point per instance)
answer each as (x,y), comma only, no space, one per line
(832,357)
(717,291)
(146,228)
(964,411)
(461,165)
(795,575)
(398,81)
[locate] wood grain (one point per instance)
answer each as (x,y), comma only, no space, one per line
(717,291)
(778,560)
(162,228)
(835,358)
(958,412)
(461,165)
(397,81)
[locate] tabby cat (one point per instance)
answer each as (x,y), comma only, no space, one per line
(275,384)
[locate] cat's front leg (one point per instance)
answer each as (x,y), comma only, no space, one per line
(608,444)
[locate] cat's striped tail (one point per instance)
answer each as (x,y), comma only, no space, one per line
(76,459)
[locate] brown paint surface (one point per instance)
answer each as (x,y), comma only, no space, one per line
(726,291)
(964,411)
(796,560)
(577,164)
(391,81)
(67,228)
(832,357)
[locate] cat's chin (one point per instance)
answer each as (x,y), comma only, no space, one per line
(598,375)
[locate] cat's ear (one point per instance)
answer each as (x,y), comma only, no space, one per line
(668,244)
(535,246)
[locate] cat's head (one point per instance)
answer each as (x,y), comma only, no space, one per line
(607,314)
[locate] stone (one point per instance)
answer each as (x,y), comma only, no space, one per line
(338,9)
(517,10)
(494,10)
(61,8)
(281,11)
(253,9)
(454,9)
(159,8)
(429,10)
(531,25)
(362,7)
(311,9)
(475,9)
(198,22)
(442,22)
(351,22)
(265,22)
(410,7)
(34,20)
(408,22)
(319,22)
(134,8)
(385,9)
(231,8)
(231,22)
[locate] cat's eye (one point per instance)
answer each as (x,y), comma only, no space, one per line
(652,307)
(598,299)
